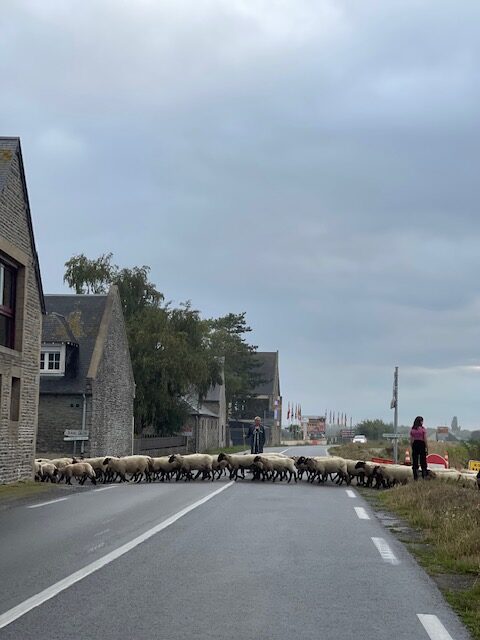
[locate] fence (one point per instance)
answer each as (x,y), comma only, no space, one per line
(159,446)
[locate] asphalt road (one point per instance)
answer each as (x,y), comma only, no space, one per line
(172,560)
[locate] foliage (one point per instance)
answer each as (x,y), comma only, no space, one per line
(373,429)
(169,347)
(227,338)
(175,353)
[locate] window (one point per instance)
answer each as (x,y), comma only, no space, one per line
(8,283)
(52,360)
(15,400)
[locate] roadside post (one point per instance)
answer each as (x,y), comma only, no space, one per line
(75,435)
(394,405)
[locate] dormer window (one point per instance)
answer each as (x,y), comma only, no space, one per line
(52,360)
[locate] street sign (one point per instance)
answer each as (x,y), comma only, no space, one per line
(391,435)
(474,465)
(71,435)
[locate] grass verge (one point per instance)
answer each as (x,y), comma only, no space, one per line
(448,519)
(25,489)
(236,449)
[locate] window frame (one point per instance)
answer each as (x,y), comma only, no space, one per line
(45,351)
(9,311)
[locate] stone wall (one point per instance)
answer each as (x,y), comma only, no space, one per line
(17,437)
(57,412)
(112,387)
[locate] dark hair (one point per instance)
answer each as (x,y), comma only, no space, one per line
(418,422)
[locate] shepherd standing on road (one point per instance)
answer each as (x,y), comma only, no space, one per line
(256,435)
(418,439)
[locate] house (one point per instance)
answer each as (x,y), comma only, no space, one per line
(86,377)
(207,418)
(21,308)
(265,401)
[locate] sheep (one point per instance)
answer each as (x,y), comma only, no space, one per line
(444,475)
(277,466)
(200,462)
(161,467)
(368,468)
(218,466)
(468,480)
(355,472)
(61,462)
(48,471)
(300,465)
(237,462)
(96,463)
(79,470)
(136,466)
(392,474)
(37,470)
(323,466)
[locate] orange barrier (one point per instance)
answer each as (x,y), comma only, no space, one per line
(382,460)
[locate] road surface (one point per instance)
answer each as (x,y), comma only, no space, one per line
(212,560)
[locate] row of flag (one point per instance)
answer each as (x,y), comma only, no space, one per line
(294,412)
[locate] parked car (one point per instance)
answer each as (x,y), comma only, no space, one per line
(360,439)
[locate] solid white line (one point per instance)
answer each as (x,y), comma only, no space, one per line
(42,504)
(285,449)
(50,592)
(361,513)
(385,551)
(434,627)
(112,486)
(350,493)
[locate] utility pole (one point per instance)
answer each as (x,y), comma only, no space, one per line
(394,406)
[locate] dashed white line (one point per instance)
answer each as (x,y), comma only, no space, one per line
(350,493)
(101,533)
(434,627)
(43,504)
(112,486)
(361,513)
(285,450)
(27,605)
(385,551)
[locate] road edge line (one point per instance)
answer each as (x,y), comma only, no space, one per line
(433,626)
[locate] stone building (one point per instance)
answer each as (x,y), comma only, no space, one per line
(266,402)
(207,419)
(86,377)
(21,308)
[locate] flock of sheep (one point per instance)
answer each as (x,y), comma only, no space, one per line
(264,467)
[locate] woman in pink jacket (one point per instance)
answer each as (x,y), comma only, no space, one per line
(418,440)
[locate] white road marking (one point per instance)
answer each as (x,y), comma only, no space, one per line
(361,513)
(433,627)
(350,493)
(112,486)
(50,592)
(95,547)
(285,449)
(100,533)
(42,504)
(385,551)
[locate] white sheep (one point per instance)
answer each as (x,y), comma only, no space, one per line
(323,466)
(237,462)
(162,468)
(61,462)
(278,467)
(200,462)
(136,466)
(391,474)
(79,470)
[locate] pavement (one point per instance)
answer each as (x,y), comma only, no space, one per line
(212,560)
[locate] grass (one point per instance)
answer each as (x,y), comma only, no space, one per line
(23,489)
(235,449)
(448,517)
(372,449)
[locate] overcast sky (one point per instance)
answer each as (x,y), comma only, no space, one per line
(313,163)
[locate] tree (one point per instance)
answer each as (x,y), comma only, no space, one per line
(227,338)
(373,429)
(170,347)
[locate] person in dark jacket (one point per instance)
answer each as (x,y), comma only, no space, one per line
(256,435)
(418,439)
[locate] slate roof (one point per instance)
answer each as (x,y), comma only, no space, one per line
(82,315)
(9,147)
(56,329)
(267,369)
(196,408)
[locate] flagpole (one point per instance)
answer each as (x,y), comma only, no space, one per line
(395,418)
